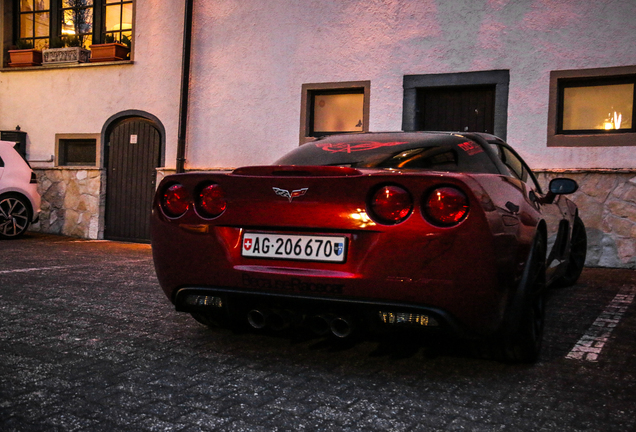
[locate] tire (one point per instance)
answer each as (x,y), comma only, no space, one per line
(578,253)
(523,345)
(15,216)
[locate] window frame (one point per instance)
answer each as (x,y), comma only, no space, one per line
(59,142)
(559,80)
(504,152)
(314,89)
(104,15)
(10,11)
(18,22)
(500,78)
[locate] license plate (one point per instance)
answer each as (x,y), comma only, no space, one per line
(295,247)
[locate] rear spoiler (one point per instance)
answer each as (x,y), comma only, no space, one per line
(296,171)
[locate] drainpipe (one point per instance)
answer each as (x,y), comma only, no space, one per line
(185,86)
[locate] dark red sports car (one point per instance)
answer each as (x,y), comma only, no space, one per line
(377,231)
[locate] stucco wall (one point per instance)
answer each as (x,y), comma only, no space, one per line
(251,58)
(47,101)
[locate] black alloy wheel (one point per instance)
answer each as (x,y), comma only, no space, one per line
(524,344)
(15,216)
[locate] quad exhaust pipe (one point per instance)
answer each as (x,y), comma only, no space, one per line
(340,326)
(257,318)
(275,319)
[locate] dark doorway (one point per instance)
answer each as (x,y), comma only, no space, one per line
(448,101)
(464,109)
(133,153)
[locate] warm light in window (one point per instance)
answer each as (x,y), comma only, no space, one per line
(596,107)
(338,112)
(613,122)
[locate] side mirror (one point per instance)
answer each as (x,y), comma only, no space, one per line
(558,186)
(563,186)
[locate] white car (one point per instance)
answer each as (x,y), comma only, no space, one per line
(19,197)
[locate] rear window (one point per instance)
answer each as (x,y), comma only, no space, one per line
(434,153)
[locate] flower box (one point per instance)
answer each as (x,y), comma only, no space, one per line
(25,57)
(114,51)
(66,55)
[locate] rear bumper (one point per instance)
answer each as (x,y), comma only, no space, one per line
(232,304)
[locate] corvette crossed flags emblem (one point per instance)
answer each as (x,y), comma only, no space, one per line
(290,196)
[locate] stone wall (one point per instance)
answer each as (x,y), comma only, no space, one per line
(73,202)
(607,206)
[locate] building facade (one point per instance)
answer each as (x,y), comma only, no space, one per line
(554,78)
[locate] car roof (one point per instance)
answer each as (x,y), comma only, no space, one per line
(11,157)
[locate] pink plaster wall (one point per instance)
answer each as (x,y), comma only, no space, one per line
(251,59)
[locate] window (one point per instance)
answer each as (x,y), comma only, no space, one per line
(119,17)
(334,108)
(388,150)
(77,20)
(593,107)
(91,21)
(35,16)
(516,166)
(77,150)
(596,106)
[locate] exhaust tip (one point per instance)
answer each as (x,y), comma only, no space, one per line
(321,324)
(341,327)
(281,319)
(257,318)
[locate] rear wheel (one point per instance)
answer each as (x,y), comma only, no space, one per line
(524,344)
(15,216)
(578,252)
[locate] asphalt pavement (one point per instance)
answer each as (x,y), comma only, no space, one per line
(88,342)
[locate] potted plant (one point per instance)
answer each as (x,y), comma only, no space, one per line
(111,49)
(25,55)
(66,49)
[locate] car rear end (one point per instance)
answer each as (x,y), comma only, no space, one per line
(18,179)
(331,247)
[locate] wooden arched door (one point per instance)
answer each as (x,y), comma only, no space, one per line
(132,155)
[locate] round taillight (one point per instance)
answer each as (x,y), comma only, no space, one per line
(391,204)
(211,202)
(446,206)
(175,201)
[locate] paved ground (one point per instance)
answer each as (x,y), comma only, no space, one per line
(88,342)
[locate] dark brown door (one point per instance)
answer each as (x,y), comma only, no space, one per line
(463,109)
(133,154)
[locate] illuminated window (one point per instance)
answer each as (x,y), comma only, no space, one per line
(91,21)
(592,107)
(118,21)
(77,20)
(35,16)
(333,108)
(334,112)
